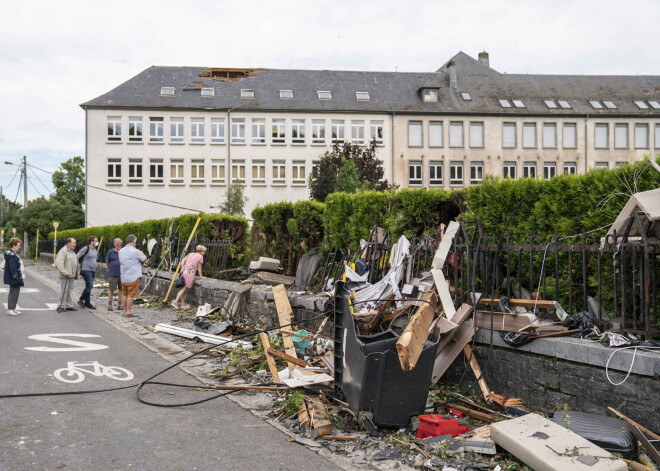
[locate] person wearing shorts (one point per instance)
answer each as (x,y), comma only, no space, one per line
(130,264)
(114,274)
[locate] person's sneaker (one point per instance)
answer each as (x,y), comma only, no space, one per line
(89,306)
(11,312)
(70,309)
(81,303)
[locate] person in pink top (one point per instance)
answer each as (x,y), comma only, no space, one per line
(191,264)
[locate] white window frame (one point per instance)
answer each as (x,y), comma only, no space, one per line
(218,172)
(247,93)
(504,103)
(525,136)
(377,131)
(507,127)
(456,174)
(156,130)
(298,133)
(279,173)
(654,104)
(238,131)
(549,170)
(453,125)
(609,104)
(167,91)
(570,168)
(510,170)
(286,94)
(566,129)
(114,129)
(177,175)
(601,165)
(596,104)
(156,172)
(207,92)
(415,173)
(258,168)
(197,130)
(644,127)
(604,127)
(550,104)
(564,104)
(436,173)
(362,96)
(656,136)
(415,133)
(114,172)
(135,129)
(621,136)
(135,169)
(197,172)
(477,134)
(238,172)
(466,96)
(278,131)
(436,133)
(518,103)
(258,131)
(549,134)
(430,95)
(298,173)
(177,131)
(357,132)
(218,130)
(337,129)
(318,131)
(476,173)
(641,105)
(324,95)
(530,170)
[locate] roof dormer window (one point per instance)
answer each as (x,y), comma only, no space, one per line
(550,104)
(430,95)
(564,104)
(247,93)
(641,105)
(505,103)
(210,92)
(596,104)
(362,96)
(167,91)
(466,96)
(286,94)
(324,95)
(654,104)
(610,105)
(518,104)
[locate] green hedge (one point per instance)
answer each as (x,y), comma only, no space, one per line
(212,226)
(287,230)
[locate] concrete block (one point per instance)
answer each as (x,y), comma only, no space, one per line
(532,439)
(304,302)
(265,263)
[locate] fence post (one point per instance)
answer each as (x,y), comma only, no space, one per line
(183,253)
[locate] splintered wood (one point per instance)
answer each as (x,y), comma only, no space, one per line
(269,358)
(411,343)
(285,316)
(313,420)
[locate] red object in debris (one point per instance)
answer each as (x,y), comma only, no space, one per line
(435,425)
(455,413)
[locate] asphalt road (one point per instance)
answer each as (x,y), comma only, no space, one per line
(112,430)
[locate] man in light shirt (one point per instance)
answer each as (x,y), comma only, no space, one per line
(130,261)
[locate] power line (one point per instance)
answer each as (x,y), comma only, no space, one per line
(17,191)
(40,181)
(33,186)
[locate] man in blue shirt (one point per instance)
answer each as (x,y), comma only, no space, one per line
(130,261)
(114,273)
(87,258)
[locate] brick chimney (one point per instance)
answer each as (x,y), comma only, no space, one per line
(483,59)
(453,81)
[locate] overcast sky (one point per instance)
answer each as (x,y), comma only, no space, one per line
(56,55)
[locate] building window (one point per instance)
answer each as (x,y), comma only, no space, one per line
(176,172)
(509,170)
(114,170)
(258,131)
(570,136)
(518,103)
(641,136)
(654,104)
(258,172)
(357,132)
(477,134)
(550,135)
(376,132)
(114,128)
(601,137)
(415,138)
(466,96)
(570,168)
(549,170)
(596,104)
(135,171)
(238,132)
(318,131)
(208,92)
(656,139)
(564,104)
(620,164)
(217,131)
(155,129)
(324,95)
(217,172)
(298,173)
(278,131)
(238,171)
(315,168)
(641,105)
(509,140)
(156,171)
(247,94)
(456,134)
(414,173)
(436,134)
(167,91)
(197,130)
(197,172)
(621,136)
(279,172)
(476,172)
(529,169)
(435,173)
(609,104)
(298,131)
(529,135)
(456,173)
(286,94)
(337,131)
(550,104)
(176,130)
(430,95)
(504,103)
(362,96)
(134,129)
(601,165)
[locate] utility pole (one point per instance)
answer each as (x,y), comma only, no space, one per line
(2,208)
(26,250)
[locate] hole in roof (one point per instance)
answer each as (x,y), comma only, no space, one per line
(596,104)
(550,103)
(167,91)
(286,94)
(362,96)
(564,104)
(518,104)
(466,96)
(324,95)
(641,105)
(609,104)
(505,103)
(228,75)
(208,92)
(654,104)
(247,93)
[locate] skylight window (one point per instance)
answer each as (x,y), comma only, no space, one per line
(505,103)
(608,104)
(550,104)
(324,95)
(247,93)
(641,105)
(596,104)
(518,104)
(286,94)
(362,96)
(564,104)
(167,91)
(466,96)
(208,91)
(654,104)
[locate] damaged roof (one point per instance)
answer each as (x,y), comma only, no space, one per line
(388,91)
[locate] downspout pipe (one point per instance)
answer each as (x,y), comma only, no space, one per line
(392,149)
(586,145)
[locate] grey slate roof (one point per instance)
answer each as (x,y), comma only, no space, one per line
(389,91)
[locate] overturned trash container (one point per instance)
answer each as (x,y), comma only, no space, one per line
(368,373)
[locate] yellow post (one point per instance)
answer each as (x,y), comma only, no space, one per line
(98,251)
(55,225)
(36,254)
(178,267)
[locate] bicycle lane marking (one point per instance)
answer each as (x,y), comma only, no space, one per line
(74,345)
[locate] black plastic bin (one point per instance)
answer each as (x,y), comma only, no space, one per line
(368,373)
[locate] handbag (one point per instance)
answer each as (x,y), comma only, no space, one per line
(180,282)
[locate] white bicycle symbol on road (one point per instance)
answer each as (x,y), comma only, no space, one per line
(75,372)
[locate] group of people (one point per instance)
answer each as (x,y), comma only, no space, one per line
(124,265)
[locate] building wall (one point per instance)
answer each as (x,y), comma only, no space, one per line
(105,207)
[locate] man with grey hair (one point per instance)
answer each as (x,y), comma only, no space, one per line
(130,263)
(114,274)
(67,268)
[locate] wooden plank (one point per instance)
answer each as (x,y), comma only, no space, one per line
(556,334)
(477,372)
(285,316)
(650,449)
(461,315)
(528,303)
(448,354)
(295,334)
(288,358)
(395,314)
(443,293)
(313,420)
(635,466)
(475,414)
(633,423)
(269,358)
(411,343)
(504,323)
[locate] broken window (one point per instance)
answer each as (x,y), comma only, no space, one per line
(570,168)
(217,172)
(226,74)
(156,171)
(477,134)
(238,132)
(509,170)
(529,135)
(509,135)
(415,138)
(298,173)
(258,131)
(258,172)
(135,129)
(238,171)
(436,134)
(601,136)
(621,135)
(357,132)
(641,136)
(176,172)
(529,170)
(135,171)
(476,172)
(570,135)
(278,131)
(155,129)
(114,170)
(197,172)
(456,173)
(337,131)
(318,131)
(217,131)
(298,131)
(114,128)
(376,131)
(197,130)
(279,172)
(435,173)
(414,173)
(549,170)
(550,135)
(176,130)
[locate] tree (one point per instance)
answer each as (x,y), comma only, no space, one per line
(348,168)
(235,200)
(69,182)
(41,212)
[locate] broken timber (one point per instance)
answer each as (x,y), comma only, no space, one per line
(290,359)
(411,343)
(503,322)
(313,420)
(477,372)
(454,347)
(269,358)
(285,316)
(527,303)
